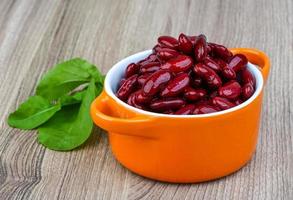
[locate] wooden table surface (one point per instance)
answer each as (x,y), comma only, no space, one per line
(36,34)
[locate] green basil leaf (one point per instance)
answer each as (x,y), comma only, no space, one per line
(72,99)
(97,75)
(32,113)
(99,88)
(77,96)
(71,126)
(65,77)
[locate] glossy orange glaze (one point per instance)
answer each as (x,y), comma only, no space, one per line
(182,150)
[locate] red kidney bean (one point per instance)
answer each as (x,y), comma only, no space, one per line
(222,63)
(238,62)
(132,101)
(228,73)
(166,54)
(150,58)
(247,77)
(194,94)
(209,62)
(127,87)
(186,110)
(211,45)
(200,48)
(131,69)
(185,44)
(214,94)
(238,102)
(189,72)
(150,67)
(168,41)
(179,64)
(121,82)
(209,49)
(167,104)
(192,38)
(141,98)
(238,77)
(142,78)
(209,75)
(222,103)
(221,51)
(176,86)
(230,90)
(143,62)
(169,112)
(202,102)
(247,91)
(155,81)
(197,81)
(204,109)
(157,48)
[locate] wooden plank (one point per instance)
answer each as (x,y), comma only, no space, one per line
(36,34)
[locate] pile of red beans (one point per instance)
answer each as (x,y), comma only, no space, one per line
(187,76)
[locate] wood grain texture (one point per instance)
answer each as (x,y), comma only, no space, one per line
(36,34)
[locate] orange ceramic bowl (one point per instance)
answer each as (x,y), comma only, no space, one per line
(176,148)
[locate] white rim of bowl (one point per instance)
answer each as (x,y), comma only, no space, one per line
(141,55)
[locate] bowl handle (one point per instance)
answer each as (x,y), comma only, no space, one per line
(133,126)
(256,57)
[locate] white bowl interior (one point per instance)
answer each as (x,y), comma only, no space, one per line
(116,73)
